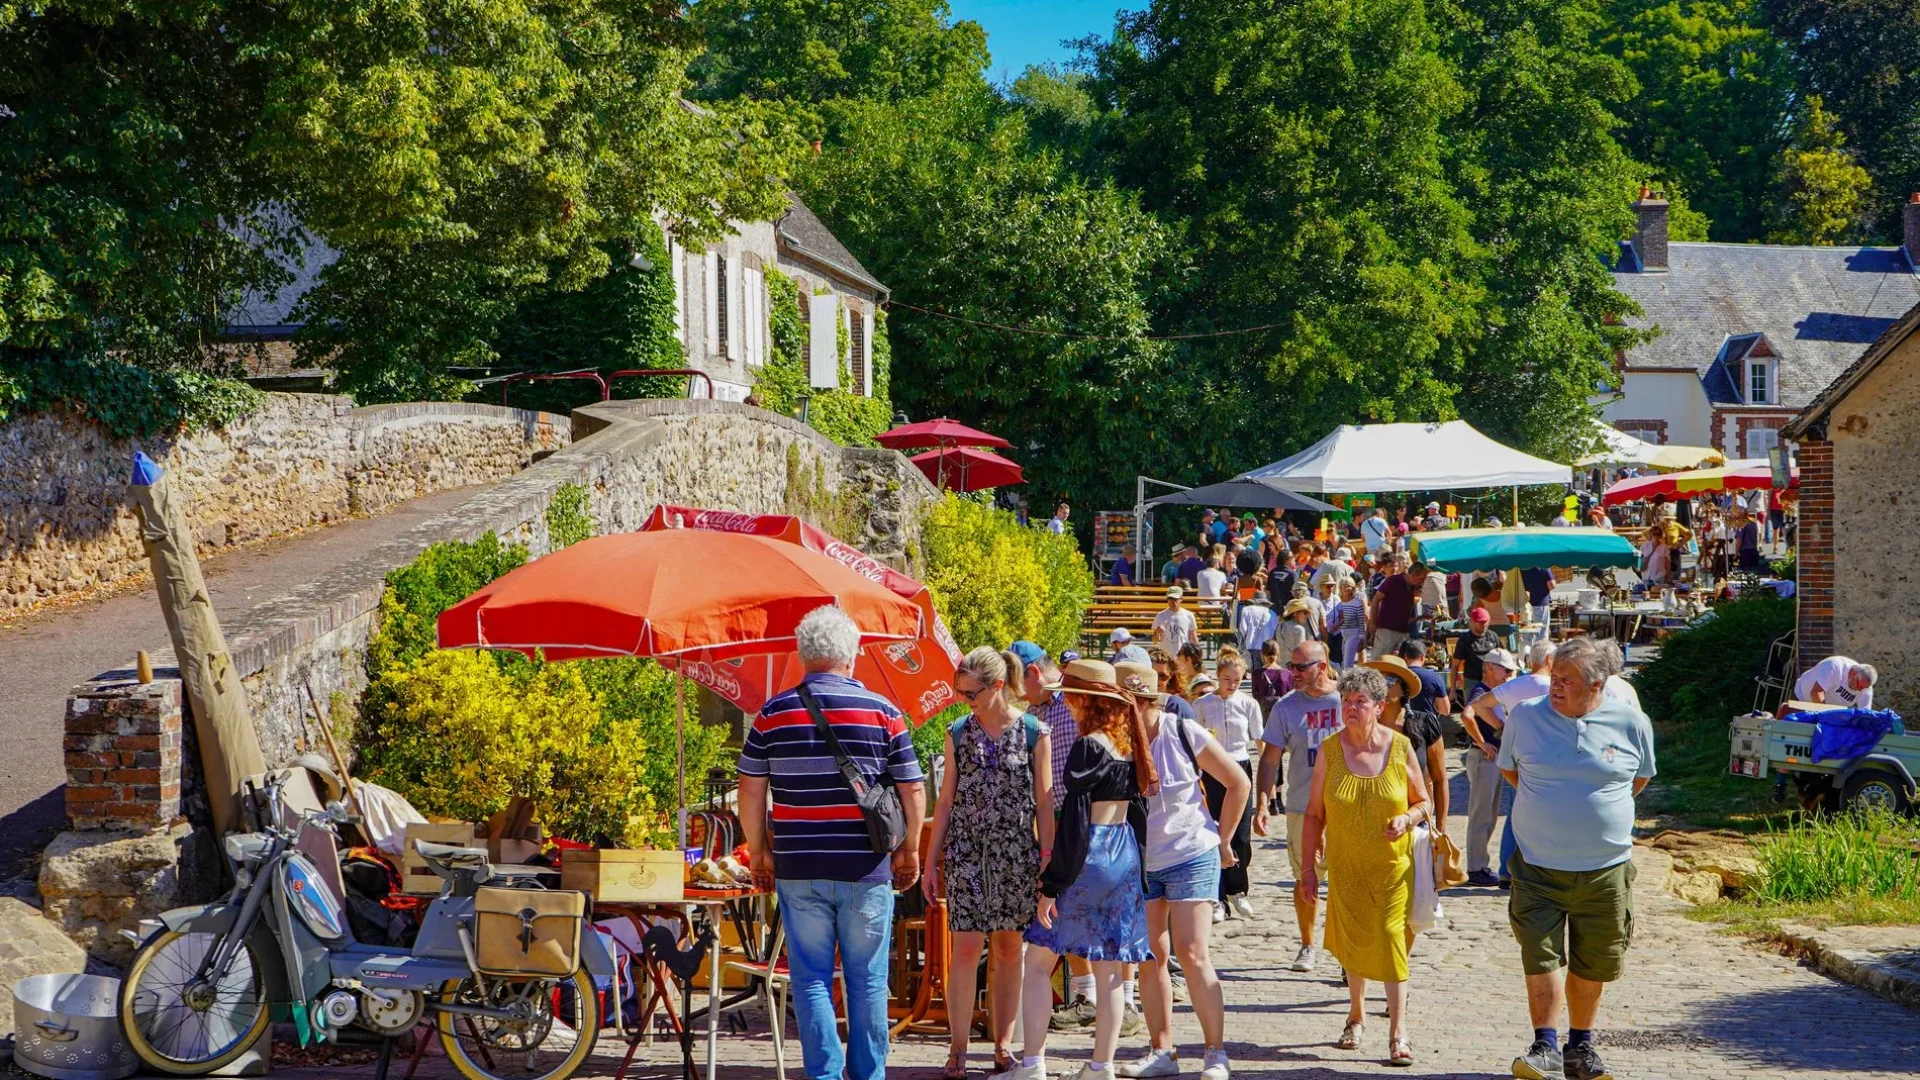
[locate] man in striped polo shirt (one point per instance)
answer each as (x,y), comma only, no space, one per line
(835,891)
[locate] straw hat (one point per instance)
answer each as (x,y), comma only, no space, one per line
(1397,668)
(1202,679)
(1092,678)
(1296,605)
(1138,680)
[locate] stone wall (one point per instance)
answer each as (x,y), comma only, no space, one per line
(297,461)
(630,456)
(1861,605)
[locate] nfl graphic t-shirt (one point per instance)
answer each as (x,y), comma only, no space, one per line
(1300,723)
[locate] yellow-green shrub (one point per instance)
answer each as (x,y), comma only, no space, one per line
(996,581)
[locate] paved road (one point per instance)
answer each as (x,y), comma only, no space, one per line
(1693,1006)
(43,656)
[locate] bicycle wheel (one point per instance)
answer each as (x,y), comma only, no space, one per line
(184,1025)
(551,1031)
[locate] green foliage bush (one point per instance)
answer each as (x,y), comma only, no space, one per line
(996,581)
(1705,673)
(847,418)
(459,732)
(127,400)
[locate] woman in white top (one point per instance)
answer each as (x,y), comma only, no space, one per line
(1183,858)
(1235,721)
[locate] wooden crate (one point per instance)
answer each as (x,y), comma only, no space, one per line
(626,876)
(415,875)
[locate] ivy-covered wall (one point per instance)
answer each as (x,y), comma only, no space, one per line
(847,418)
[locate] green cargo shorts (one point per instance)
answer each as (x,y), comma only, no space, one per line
(1581,920)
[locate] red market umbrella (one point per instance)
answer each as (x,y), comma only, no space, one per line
(917,675)
(941,432)
(1736,477)
(962,468)
(677,596)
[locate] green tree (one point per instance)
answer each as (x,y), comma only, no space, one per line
(946,200)
(819,50)
(1710,113)
(1824,193)
(1863,58)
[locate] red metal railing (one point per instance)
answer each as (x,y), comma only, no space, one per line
(604,383)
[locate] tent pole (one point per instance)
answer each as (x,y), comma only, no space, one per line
(680,748)
(1516,506)
(1141,556)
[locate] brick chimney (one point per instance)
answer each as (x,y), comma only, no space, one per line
(1912,210)
(1650,235)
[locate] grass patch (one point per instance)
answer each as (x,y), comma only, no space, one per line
(1839,869)
(1748,917)
(1694,789)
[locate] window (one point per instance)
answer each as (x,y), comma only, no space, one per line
(1759,441)
(1757,383)
(857,339)
(723,322)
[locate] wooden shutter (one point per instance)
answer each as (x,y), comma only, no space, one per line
(823,340)
(710,303)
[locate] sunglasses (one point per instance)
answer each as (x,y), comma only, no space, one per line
(1305,667)
(971,695)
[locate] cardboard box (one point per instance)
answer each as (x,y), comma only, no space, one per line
(415,875)
(625,876)
(511,852)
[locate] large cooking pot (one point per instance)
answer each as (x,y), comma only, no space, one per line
(68,1028)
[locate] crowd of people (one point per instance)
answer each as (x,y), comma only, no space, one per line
(1100,813)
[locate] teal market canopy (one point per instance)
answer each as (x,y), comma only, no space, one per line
(1467,550)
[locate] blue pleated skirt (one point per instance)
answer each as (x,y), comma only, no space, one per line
(1103,914)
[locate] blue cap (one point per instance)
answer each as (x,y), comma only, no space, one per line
(1028,652)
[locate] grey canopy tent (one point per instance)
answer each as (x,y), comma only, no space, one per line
(1244,493)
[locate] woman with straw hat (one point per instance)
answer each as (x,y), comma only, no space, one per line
(1091,900)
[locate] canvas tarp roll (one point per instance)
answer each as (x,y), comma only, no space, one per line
(229,745)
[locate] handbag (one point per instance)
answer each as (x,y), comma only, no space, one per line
(1425,909)
(1448,872)
(879,802)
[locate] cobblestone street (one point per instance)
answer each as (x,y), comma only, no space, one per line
(1695,1005)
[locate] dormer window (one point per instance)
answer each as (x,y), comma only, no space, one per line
(1759,386)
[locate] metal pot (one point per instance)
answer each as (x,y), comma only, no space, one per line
(69,1028)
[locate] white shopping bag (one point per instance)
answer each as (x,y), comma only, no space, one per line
(1426,897)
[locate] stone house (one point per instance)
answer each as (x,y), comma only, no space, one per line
(720,306)
(1749,333)
(1859,512)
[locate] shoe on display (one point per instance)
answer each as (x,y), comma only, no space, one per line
(1152,1063)
(1305,959)
(1216,1066)
(1076,1014)
(1540,1062)
(1132,1023)
(1583,1063)
(1241,906)
(1179,982)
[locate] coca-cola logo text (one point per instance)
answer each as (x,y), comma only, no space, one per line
(936,697)
(720,682)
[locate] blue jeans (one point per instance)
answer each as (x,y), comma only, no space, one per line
(857,918)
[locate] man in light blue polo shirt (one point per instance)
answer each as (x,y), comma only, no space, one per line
(1576,759)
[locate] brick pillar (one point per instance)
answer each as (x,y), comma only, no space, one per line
(123,754)
(1815,553)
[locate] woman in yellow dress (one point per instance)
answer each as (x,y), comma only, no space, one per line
(1367,796)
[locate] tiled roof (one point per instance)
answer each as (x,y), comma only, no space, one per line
(1818,307)
(800,228)
(1844,383)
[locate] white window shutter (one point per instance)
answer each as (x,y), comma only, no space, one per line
(823,363)
(866,349)
(734,329)
(710,291)
(757,315)
(677,262)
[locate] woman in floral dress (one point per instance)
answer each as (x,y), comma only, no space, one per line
(998,770)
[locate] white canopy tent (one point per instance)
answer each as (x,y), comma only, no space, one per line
(1409,457)
(1622,449)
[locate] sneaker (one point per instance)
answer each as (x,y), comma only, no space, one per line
(1132,1023)
(1305,959)
(1086,1071)
(1583,1063)
(1215,1067)
(1241,906)
(1072,1016)
(1219,912)
(1179,982)
(1540,1062)
(1482,879)
(1152,1063)
(1022,1072)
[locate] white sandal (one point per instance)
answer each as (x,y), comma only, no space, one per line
(1399,1052)
(1350,1036)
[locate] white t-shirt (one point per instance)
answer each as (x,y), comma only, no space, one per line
(1374,531)
(1433,594)
(1172,629)
(1233,721)
(1831,675)
(1516,690)
(1179,828)
(1619,689)
(1212,582)
(1056,526)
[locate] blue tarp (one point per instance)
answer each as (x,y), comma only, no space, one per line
(1844,734)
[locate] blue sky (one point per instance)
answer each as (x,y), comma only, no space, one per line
(1023,32)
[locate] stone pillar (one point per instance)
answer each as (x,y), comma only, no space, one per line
(1814,567)
(123,754)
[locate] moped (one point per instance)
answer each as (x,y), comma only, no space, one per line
(208,979)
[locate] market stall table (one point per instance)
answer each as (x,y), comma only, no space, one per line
(737,906)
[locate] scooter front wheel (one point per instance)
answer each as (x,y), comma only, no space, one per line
(184,1024)
(549,1035)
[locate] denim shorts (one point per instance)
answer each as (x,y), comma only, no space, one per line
(1196,879)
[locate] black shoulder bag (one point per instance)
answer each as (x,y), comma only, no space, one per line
(879,803)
